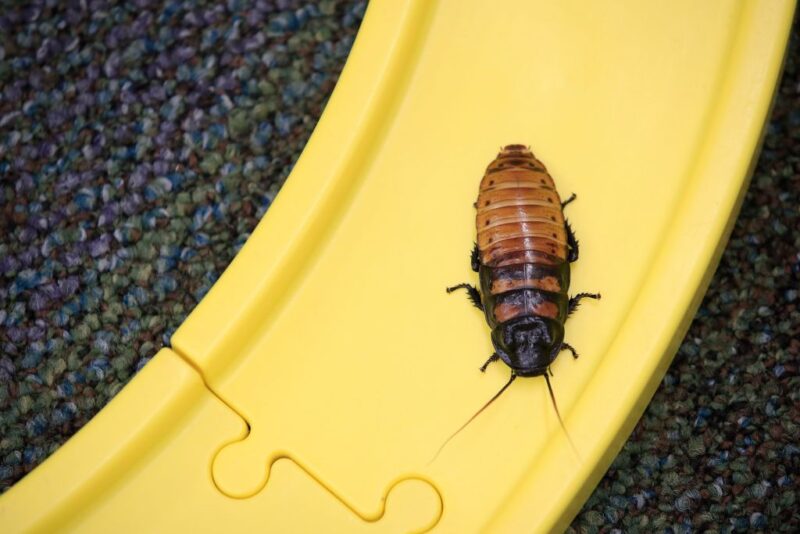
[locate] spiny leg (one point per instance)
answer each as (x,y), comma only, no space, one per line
(575,301)
(493,358)
(572,243)
(472,293)
(475,258)
(570,348)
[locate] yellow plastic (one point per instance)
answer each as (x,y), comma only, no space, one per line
(142,465)
(330,336)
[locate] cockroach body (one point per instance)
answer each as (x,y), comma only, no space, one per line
(522,255)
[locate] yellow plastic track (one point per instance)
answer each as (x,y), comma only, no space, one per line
(311,388)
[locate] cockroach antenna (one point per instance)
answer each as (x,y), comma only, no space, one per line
(454,434)
(560,421)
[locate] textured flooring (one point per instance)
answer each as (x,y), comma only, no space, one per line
(140,143)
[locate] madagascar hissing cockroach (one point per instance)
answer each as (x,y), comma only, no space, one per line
(522,257)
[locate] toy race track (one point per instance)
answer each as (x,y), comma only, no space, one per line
(311,388)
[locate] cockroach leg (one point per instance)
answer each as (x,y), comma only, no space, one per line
(472,293)
(493,358)
(575,301)
(572,243)
(475,258)
(570,348)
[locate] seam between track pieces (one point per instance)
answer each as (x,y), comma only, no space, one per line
(372,132)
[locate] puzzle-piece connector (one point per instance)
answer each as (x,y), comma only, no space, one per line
(410,503)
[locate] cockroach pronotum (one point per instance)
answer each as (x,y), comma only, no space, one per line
(522,257)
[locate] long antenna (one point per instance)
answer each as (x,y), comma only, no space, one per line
(561,421)
(513,376)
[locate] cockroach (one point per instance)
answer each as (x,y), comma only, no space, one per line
(522,256)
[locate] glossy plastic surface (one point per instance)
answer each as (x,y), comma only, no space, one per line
(331,334)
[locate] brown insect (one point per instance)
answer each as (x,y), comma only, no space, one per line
(522,256)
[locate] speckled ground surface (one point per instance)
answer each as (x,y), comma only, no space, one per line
(140,143)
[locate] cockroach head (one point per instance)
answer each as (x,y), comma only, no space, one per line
(530,345)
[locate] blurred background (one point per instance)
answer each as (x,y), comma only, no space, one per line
(142,141)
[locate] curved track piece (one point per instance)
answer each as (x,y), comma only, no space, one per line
(330,334)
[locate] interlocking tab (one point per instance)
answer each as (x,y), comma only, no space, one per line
(407,505)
